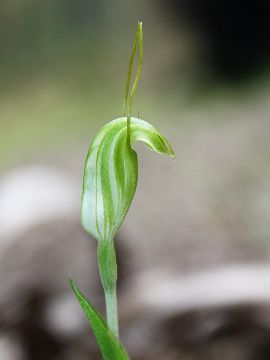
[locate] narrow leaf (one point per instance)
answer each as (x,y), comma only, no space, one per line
(111,173)
(109,346)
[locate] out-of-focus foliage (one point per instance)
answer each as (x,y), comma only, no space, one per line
(36,34)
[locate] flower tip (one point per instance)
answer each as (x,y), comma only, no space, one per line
(171,152)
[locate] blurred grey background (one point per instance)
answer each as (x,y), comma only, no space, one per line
(194,251)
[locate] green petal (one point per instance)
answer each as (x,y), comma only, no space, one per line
(111,173)
(109,346)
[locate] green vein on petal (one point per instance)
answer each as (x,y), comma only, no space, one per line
(111,173)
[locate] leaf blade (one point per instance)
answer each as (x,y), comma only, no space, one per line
(110,347)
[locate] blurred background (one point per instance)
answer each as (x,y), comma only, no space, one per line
(194,251)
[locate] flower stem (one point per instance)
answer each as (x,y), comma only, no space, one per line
(112,311)
(108,273)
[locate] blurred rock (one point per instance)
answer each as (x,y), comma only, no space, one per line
(9,348)
(192,257)
(30,195)
(36,302)
(221,315)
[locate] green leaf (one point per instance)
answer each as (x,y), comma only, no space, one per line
(111,173)
(109,346)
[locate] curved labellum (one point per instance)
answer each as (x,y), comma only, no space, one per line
(111,172)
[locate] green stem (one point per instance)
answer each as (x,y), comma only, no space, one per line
(108,273)
(112,311)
